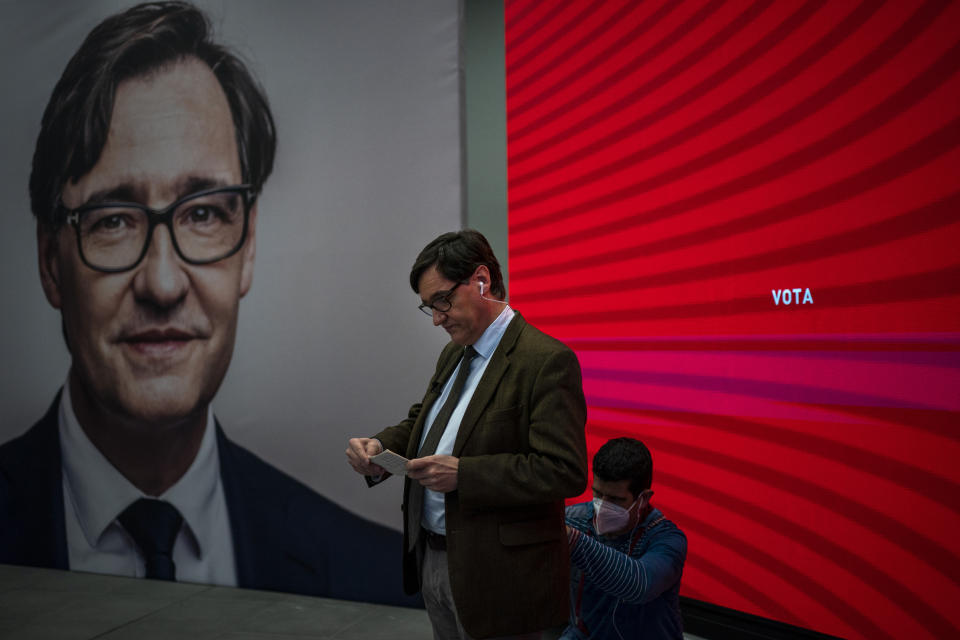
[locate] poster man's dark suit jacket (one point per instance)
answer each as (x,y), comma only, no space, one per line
(286,537)
(522,450)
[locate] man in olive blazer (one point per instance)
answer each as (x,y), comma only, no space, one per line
(517,452)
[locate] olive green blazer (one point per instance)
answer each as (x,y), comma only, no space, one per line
(522,450)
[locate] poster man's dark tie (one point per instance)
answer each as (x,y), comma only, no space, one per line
(429,446)
(153,525)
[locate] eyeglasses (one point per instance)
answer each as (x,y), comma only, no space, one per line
(205,227)
(441,302)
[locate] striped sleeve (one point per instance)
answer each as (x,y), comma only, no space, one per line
(634,580)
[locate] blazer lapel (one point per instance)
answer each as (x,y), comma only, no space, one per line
(448,362)
(499,363)
(241,504)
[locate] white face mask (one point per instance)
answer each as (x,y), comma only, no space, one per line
(609,517)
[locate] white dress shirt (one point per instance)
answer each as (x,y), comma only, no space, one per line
(95,494)
(434,514)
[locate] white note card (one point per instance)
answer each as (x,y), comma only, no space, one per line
(392,462)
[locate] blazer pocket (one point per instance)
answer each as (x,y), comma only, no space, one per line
(530,531)
(508,416)
(498,431)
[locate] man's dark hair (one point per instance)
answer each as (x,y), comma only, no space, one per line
(457,255)
(625,459)
(135,43)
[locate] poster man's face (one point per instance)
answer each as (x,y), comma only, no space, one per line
(152,344)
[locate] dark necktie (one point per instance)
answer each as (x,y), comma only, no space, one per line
(153,525)
(429,446)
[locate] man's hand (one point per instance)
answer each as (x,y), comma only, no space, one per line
(358,455)
(437,473)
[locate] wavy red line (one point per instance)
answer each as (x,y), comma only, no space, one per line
(737,544)
(817,51)
(516,64)
(799,345)
(540,27)
(922,481)
(912,604)
(516,12)
(517,108)
(636,95)
(911,94)
(740,586)
(613,80)
(901,163)
(911,223)
(939,423)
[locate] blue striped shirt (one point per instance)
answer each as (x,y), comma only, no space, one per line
(625,586)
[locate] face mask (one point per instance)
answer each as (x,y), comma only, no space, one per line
(609,517)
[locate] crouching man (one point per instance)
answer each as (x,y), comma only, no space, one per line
(627,558)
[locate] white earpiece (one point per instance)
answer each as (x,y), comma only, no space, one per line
(482,286)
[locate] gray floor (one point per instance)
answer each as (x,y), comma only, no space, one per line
(44,604)
(52,605)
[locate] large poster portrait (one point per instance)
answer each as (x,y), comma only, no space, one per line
(203,303)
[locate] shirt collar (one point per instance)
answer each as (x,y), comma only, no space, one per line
(100,492)
(488,342)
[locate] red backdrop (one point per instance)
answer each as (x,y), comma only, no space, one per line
(744,218)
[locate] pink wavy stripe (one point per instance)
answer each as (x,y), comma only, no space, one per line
(783,378)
